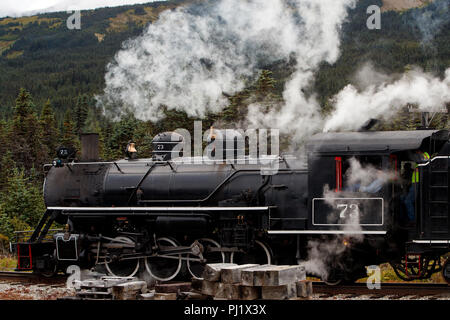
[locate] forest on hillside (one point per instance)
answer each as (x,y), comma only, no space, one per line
(50,75)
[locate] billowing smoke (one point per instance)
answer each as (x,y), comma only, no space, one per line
(192,57)
(364,176)
(326,254)
(323,254)
(384,100)
(299,114)
(367,76)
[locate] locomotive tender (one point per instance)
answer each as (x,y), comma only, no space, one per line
(169,216)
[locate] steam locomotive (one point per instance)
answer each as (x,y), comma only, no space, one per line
(170,215)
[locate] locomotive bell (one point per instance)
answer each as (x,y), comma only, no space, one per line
(131,147)
(131,150)
(164,145)
(225,144)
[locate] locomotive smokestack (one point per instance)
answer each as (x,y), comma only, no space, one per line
(369,124)
(89,147)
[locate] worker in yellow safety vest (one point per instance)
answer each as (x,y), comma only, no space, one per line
(410,199)
(424,156)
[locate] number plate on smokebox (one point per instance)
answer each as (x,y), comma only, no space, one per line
(348,211)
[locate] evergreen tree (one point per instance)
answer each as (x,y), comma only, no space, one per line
(91,124)
(49,130)
(105,136)
(237,107)
(265,86)
(123,132)
(81,113)
(6,227)
(263,92)
(4,135)
(440,120)
(21,204)
(143,137)
(68,137)
(400,120)
(7,166)
(26,134)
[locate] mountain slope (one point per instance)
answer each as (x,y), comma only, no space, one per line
(41,54)
(400,5)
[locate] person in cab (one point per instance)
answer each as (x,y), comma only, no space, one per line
(410,199)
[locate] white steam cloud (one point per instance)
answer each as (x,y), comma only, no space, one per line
(190,57)
(299,115)
(322,256)
(364,175)
(193,57)
(353,107)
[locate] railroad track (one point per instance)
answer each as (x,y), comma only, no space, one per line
(387,290)
(30,278)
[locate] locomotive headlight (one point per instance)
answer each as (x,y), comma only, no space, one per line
(57,163)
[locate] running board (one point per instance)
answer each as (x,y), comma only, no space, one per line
(324,232)
(151,210)
(432,241)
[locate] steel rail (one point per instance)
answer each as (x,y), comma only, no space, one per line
(22,276)
(386,289)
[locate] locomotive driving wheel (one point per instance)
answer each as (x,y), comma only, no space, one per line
(164,266)
(118,265)
(334,277)
(260,253)
(49,273)
(195,266)
(52,268)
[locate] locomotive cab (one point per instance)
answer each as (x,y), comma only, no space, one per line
(369,174)
(386,187)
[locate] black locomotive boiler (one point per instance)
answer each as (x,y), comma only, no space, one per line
(169,216)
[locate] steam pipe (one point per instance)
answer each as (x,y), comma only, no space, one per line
(216,189)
